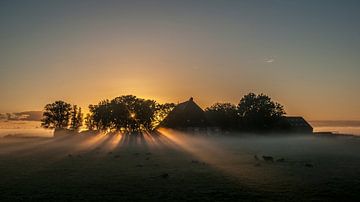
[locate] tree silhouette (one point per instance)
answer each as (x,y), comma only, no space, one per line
(130,114)
(89,121)
(145,113)
(259,112)
(223,115)
(127,114)
(80,118)
(56,115)
(101,115)
(162,110)
(120,115)
(133,114)
(76,118)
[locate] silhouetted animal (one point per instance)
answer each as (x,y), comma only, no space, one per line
(268,158)
(164,175)
(256,157)
(309,165)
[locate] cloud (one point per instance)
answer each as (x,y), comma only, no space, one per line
(270,60)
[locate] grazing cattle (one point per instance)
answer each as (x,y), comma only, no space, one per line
(268,158)
(309,165)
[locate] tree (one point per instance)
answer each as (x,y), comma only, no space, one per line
(101,115)
(145,114)
(133,114)
(162,110)
(56,115)
(80,118)
(127,113)
(223,115)
(120,114)
(89,122)
(76,118)
(259,112)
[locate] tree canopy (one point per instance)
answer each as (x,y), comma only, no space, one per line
(56,115)
(128,114)
(76,118)
(259,112)
(223,115)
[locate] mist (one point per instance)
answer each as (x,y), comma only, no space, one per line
(23,128)
(280,167)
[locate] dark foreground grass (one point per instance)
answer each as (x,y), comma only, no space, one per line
(201,169)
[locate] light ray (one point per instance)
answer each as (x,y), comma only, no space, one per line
(114,142)
(92,142)
(150,139)
(214,155)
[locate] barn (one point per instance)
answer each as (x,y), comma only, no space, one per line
(298,124)
(186,116)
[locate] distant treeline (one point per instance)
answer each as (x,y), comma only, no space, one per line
(130,114)
(22,116)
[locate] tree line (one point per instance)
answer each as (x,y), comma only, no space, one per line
(253,113)
(130,114)
(127,114)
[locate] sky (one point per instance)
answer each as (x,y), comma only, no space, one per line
(304,54)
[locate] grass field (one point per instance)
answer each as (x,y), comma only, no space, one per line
(179,167)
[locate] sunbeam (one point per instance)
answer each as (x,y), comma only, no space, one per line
(114,142)
(92,142)
(207,150)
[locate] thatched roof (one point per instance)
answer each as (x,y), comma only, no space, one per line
(298,124)
(184,115)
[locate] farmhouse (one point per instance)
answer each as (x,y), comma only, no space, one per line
(298,124)
(186,116)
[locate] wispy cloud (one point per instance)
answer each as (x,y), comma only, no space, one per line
(270,60)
